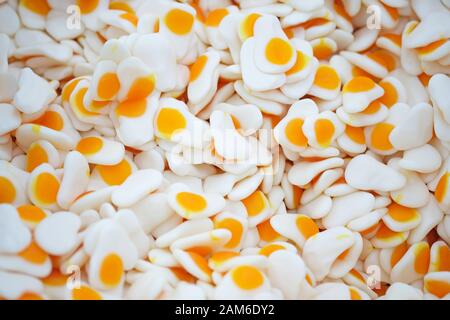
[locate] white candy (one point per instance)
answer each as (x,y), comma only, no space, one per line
(251,149)
(136,187)
(58,233)
(14,235)
(365,173)
(34,92)
(347,208)
(75,179)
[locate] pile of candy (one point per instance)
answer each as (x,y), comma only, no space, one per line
(219,149)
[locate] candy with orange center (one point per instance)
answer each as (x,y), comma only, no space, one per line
(43,187)
(101,151)
(359,92)
(194,205)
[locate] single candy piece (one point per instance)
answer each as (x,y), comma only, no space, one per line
(400,218)
(414,130)
(322,250)
(402,291)
(43,187)
(14,235)
(34,92)
(98,150)
(437,284)
(253,78)
(347,208)
(415,193)
(58,233)
(16,286)
(194,205)
(424,159)
(437,87)
(286,271)
(136,187)
(11,119)
(296,227)
(242,282)
(365,173)
(413,265)
(75,179)
(303,172)
(358,93)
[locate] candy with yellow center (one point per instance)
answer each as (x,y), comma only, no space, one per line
(105,83)
(204,243)
(43,187)
(203,79)
(289,131)
(413,265)
(99,150)
(270,248)
(298,89)
(136,79)
(174,122)
(112,253)
(359,92)
(177,25)
(377,137)
(242,282)
(394,91)
(169,121)
(400,218)
(220,257)
(213,26)
(113,175)
(32,260)
(247,26)
(257,205)
(435,50)
(352,140)
(90,11)
(437,284)
(194,205)
(178,21)
(442,191)
(78,105)
(40,152)
(10,191)
(247,118)
(322,129)
(387,238)
(327,83)
(252,76)
(323,48)
(126,21)
(374,65)
(439,257)
(194,263)
(273,51)
(31,215)
(34,13)
(235,224)
(303,63)
(50,119)
(135,120)
(317,25)
(85,292)
(391,42)
(295,227)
